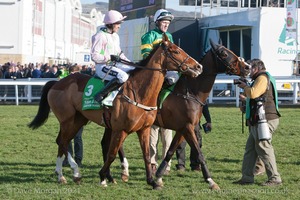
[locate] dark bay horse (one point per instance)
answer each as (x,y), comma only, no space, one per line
(182,109)
(134,109)
(191,95)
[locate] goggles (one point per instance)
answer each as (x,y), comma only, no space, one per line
(164,14)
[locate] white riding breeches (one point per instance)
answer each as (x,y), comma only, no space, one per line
(110,72)
(171,77)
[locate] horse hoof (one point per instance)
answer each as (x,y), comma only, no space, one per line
(124,177)
(113,181)
(62,180)
(160,182)
(215,187)
(103,183)
(157,187)
(77,180)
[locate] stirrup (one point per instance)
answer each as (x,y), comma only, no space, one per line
(99,97)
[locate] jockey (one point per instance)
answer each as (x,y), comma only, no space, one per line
(162,19)
(106,42)
(150,40)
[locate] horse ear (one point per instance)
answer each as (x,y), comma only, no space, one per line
(220,42)
(165,37)
(213,45)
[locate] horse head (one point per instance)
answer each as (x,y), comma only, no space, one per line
(178,60)
(234,64)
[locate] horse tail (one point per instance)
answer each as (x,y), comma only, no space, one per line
(44,108)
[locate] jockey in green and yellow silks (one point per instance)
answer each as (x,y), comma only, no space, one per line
(162,19)
(151,39)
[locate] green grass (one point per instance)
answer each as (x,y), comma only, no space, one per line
(27,162)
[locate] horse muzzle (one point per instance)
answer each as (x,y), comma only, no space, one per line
(197,70)
(245,69)
(192,70)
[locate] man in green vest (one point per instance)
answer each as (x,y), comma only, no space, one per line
(262,119)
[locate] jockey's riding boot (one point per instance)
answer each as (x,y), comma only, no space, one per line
(110,86)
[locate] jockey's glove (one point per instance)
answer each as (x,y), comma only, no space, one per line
(115,58)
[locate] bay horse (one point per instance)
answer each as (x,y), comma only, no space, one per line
(191,95)
(134,109)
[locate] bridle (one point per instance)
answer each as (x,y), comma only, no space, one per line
(178,63)
(227,60)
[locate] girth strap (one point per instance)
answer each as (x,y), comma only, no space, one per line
(147,108)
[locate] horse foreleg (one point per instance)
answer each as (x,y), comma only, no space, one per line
(191,139)
(124,165)
(178,138)
(144,138)
(114,146)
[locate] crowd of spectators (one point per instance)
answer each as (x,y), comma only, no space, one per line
(39,70)
(17,70)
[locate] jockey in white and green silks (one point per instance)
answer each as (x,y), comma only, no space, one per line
(106,42)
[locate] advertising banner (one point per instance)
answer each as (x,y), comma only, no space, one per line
(291,19)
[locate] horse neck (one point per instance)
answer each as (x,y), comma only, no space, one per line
(144,85)
(212,64)
(202,85)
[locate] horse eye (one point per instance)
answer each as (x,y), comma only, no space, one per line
(224,54)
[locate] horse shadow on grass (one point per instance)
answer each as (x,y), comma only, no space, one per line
(26,172)
(212,160)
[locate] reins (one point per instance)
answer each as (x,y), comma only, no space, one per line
(126,62)
(168,55)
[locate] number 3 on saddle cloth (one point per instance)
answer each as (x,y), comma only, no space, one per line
(93,86)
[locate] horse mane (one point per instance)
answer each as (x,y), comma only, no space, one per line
(201,59)
(145,61)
